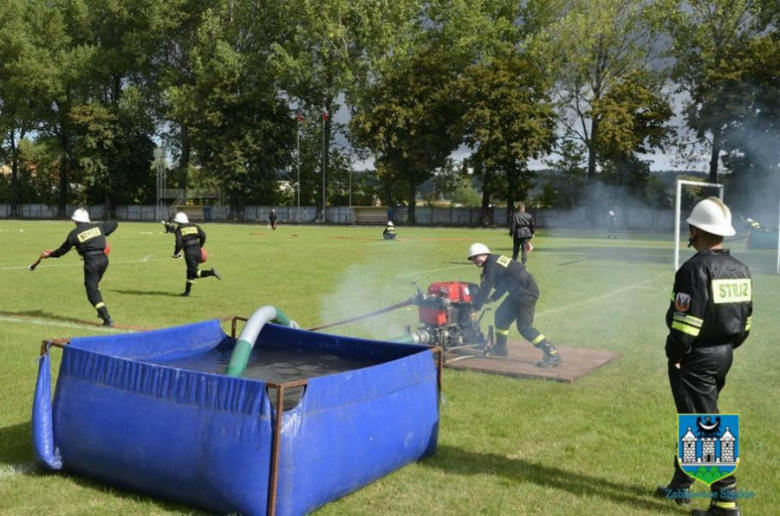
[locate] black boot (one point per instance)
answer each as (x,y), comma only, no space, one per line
(103,314)
(551,356)
(498,349)
(715,510)
(216,274)
(187,289)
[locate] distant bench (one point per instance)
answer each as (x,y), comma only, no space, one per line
(194,213)
(370,215)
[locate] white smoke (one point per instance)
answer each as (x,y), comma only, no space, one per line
(365,289)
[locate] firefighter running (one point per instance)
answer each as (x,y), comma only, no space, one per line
(191,239)
(90,242)
(503,275)
(389,232)
(709,316)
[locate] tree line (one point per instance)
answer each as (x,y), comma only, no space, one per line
(243,94)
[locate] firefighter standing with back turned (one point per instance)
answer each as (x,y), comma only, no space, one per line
(191,238)
(709,316)
(521,230)
(503,275)
(90,242)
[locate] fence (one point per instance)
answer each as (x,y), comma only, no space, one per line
(629,218)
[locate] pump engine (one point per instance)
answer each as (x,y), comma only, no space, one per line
(449,319)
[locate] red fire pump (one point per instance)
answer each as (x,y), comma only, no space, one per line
(447,315)
(448,318)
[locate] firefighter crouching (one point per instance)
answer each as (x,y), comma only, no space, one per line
(191,239)
(90,242)
(389,232)
(709,316)
(502,275)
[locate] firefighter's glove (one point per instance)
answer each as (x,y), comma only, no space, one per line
(176,256)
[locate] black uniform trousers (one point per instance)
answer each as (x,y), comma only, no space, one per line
(519,245)
(695,388)
(192,257)
(95,265)
(520,305)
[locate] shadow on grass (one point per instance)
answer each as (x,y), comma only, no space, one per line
(16,446)
(145,293)
(16,453)
(463,462)
(40,314)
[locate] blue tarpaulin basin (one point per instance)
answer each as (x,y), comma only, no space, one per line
(123,413)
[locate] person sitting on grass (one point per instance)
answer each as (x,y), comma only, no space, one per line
(389,232)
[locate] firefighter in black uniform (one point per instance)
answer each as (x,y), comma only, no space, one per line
(191,239)
(708,318)
(754,225)
(90,242)
(272,218)
(503,275)
(521,230)
(389,232)
(170,225)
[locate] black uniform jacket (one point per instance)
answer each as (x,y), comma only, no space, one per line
(273,217)
(503,274)
(522,225)
(87,238)
(189,235)
(389,230)
(712,303)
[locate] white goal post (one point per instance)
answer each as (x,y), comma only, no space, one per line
(677,215)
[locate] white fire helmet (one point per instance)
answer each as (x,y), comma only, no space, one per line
(390,223)
(477,249)
(611,213)
(80,215)
(712,216)
(181,218)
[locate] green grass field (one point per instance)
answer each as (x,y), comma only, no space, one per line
(506,446)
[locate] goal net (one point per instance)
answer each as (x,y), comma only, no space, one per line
(678,214)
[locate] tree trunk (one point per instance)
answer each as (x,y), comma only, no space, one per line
(327,128)
(715,155)
(184,159)
(485,211)
(14,176)
(64,179)
(412,200)
(594,129)
(511,193)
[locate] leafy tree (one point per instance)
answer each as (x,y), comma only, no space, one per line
(408,119)
(708,38)
(507,120)
(566,187)
(27,30)
(589,48)
(751,150)
(333,48)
